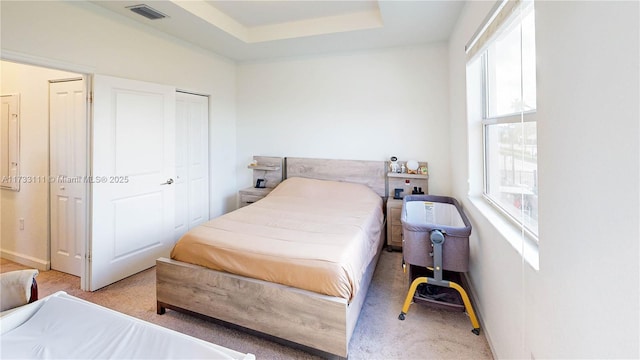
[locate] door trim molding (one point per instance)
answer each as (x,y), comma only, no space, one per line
(54,81)
(27,59)
(191,93)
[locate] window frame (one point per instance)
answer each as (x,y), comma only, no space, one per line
(485,183)
(520,117)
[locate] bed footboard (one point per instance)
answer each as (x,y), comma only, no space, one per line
(299,316)
(315,322)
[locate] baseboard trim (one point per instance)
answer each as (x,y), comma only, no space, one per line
(477,309)
(26,260)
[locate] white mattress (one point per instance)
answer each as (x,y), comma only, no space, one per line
(61,326)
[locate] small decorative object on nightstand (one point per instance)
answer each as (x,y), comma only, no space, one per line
(267,174)
(394,167)
(400,185)
(412,167)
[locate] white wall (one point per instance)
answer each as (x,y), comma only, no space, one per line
(31,203)
(87,36)
(362,105)
(583,302)
(83,37)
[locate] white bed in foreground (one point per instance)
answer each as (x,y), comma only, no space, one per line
(61,326)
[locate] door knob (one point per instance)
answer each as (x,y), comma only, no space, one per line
(169,182)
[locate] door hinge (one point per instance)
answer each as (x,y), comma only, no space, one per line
(90,97)
(89,257)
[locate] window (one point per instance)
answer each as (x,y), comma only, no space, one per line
(507,63)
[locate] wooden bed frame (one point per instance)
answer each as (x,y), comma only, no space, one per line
(314,322)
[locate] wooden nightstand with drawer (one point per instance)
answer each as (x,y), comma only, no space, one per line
(394,225)
(251,195)
(267,173)
(406,184)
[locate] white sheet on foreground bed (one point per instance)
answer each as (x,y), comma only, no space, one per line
(61,326)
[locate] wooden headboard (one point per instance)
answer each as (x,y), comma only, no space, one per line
(370,173)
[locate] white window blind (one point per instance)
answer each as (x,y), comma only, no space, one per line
(498,17)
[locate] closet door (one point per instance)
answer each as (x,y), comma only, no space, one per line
(68,171)
(192,161)
(133,172)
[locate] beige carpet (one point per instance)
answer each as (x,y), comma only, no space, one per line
(427,333)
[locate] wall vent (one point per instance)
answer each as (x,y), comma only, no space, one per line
(147,11)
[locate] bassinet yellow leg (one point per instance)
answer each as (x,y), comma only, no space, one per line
(410,294)
(467,307)
(465,299)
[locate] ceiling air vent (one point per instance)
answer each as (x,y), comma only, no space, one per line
(147,11)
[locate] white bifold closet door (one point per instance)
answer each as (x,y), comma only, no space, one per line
(133,174)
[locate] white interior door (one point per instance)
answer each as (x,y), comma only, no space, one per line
(133,168)
(68,171)
(192,162)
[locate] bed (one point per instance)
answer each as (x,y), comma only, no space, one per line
(61,326)
(294,266)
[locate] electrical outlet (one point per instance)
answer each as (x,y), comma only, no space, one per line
(21,222)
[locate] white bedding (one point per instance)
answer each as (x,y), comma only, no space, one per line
(61,326)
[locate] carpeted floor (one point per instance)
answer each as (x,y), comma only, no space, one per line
(427,333)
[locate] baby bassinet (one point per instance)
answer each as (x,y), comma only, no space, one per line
(436,236)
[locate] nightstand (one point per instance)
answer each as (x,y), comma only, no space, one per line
(408,183)
(267,170)
(394,225)
(250,195)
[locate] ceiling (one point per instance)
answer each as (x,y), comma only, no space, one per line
(263,29)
